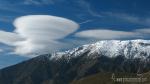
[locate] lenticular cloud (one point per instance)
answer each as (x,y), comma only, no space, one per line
(106,34)
(40,27)
(38,34)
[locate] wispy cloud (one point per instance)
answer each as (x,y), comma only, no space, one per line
(7,6)
(39,2)
(86,21)
(87,7)
(129,18)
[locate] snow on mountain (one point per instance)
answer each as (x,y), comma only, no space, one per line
(113,56)
(112,48)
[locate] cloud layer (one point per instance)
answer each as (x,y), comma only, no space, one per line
(36,34)
(40,34)
(105,34)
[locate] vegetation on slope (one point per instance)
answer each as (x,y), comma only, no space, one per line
(105,78)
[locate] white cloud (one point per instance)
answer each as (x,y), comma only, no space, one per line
(9,38)
(39,32)
(40,27)
(106,34)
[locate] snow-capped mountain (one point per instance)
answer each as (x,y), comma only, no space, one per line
(130,49)
(109,56)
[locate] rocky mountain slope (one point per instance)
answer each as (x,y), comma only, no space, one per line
(128,56)
(112,48)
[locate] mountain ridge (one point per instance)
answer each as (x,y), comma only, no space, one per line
(80,62)
(112,48)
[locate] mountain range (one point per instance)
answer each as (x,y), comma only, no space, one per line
(108,56)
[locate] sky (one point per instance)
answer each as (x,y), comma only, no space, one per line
(32,27)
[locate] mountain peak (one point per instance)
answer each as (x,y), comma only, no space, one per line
(111,48)
(113,56)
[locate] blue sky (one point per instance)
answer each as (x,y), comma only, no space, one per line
(130,17)
(98,13)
